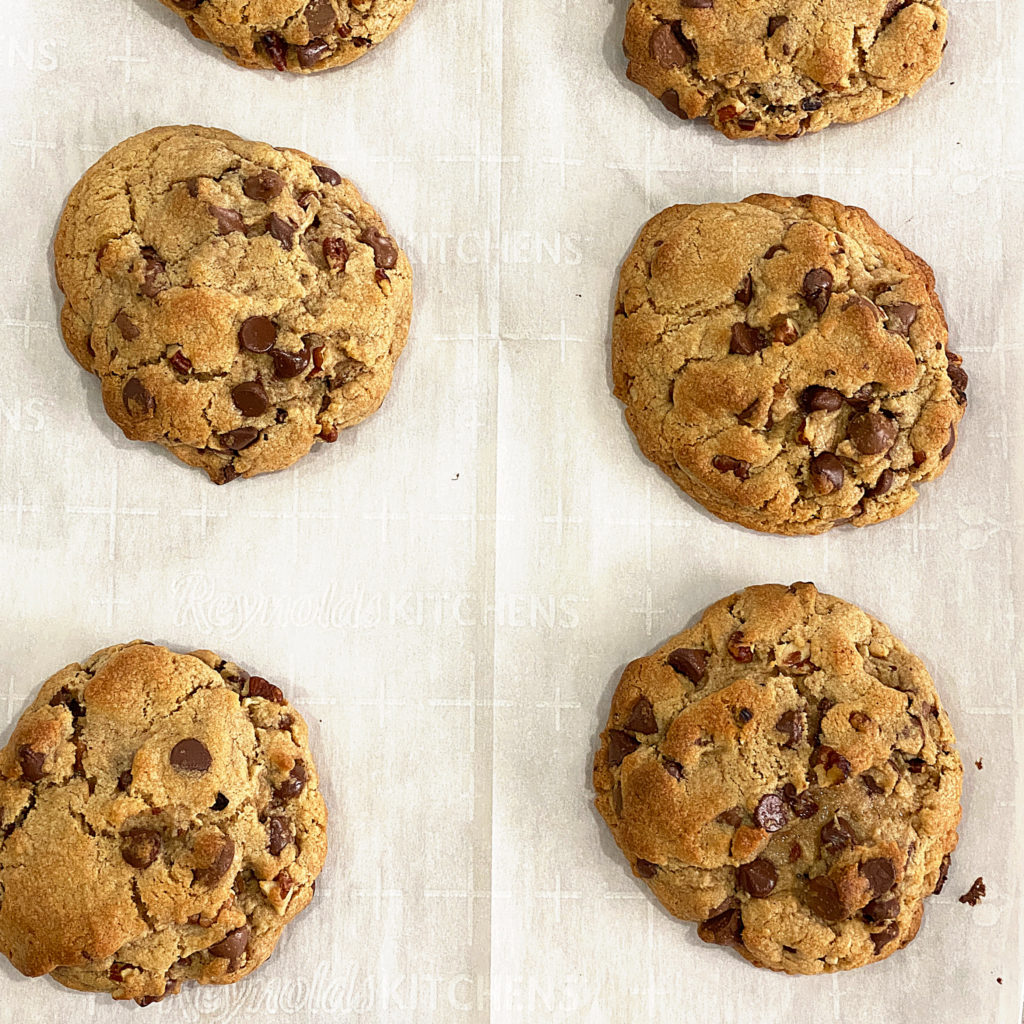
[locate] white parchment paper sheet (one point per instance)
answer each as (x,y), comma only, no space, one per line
(450,592)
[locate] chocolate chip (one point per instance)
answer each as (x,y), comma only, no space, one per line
(774,251)
(771,813)
(620,746)
(872,785)
(665,47)
(335,253)
(883,484)
(899,318)
(943,874)
(880,875)
(128,330)
(745,292)
(240,439)
(827,473)
(670,101)
(31,762)
(180,362)
(862,397)
(744,715)
(385,252)
(810,103)
(641,718)
(818,289)
(289,364)
(276,51)
(691,662)
(645,869)
(872,433)
(137,398)
(124,781)
(282,229)
(732,817)
(190,756)
(257,334)
(727,464)
(884,937)
(822,897)
(882,910)
(320,17)
(757,878)
(294,784)
(775,23)
(153,267)
(957,376)
(819,399)
(232,946)
(950,444)
(259,687)
(264,186)
(745,340)
(675,769)
(791,725)
(723,929)
(837,768)
(327,175)
(310,54)
(219,866)
(140,847)
(220,803)
(740,651)
(279,835)
(249,398)
(837,835)
(227,220)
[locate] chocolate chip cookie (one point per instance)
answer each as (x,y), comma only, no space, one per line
(781,68)
(160,820)
(301,36)
(238,302)
(783,773)
(784,361)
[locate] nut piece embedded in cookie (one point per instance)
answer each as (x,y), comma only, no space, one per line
(205,286)
(785,362)
(161,821)
(754,74)
(798,805)
(300,36)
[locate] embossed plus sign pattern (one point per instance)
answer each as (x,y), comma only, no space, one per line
(452,595)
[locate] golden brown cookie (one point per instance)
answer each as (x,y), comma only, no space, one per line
(160,821)
(783,773)
(784,361)
(301,36)
(781,68)
(238,302)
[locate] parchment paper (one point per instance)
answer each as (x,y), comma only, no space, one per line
(450,592)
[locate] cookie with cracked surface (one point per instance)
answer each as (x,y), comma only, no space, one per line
(238,302)
(778,69)
(784,361)
(160,821)
(301,36)
(783,773)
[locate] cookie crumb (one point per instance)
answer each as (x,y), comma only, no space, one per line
(999,981)
(975,894)
(978,764)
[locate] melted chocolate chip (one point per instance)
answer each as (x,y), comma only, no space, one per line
(257,334)
(138,401)
(264,186)
(727,464)
(227,220)
(385,252)
(665,46)
(827,473)
(691,662)
(620,746)
(872,433)
(645,869)
(279,835)
(289,364)
(817,289)
(723,929)
(884,937)
(757,878)
(219,866)
(900,317)
(675,769)
(232,946)
(880,875)
(745,340)
(140,847)
(732,817)
(282,229)
(327,175)
(670,101)
(791,725)
(128,330)
(837,835)
(31,763)
(822,897)
(641,718)
(249,398)
(320,18)
(882,910)
(745,292)
(294,784)
(190,756)
(240,439)
(883,484)
(819,399)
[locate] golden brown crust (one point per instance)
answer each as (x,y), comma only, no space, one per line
(784,774)
(154,806)
(300,36)
(776,70)
(180,239)
(784,361)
